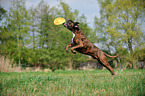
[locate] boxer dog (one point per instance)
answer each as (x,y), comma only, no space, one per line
(81,44)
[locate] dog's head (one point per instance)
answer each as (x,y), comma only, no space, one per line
(71,25)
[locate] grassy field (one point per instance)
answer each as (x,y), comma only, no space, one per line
(73,83)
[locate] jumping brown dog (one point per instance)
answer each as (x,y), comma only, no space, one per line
(81,44)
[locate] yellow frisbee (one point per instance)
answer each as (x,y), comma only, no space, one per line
(59,21)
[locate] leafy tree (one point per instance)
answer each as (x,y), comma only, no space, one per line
(2,39)
(2,13)
(122,28)
(18,22)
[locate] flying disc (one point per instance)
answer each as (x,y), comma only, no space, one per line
(59,21)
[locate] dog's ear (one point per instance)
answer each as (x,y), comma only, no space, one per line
(76,25)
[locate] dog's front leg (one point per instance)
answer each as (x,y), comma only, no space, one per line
(69,45)
(80,44)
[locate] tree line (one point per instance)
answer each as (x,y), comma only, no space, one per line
(31,39)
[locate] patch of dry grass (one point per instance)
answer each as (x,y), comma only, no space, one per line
(8,65)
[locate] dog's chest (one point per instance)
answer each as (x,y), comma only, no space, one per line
(73,36)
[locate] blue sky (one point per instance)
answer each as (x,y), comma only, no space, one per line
(90,8)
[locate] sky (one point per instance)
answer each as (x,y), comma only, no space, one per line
(90,8)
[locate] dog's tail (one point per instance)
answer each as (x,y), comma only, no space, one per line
(111,56)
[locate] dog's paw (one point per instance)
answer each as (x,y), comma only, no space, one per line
(73,51)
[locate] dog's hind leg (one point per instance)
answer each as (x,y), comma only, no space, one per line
(106,64)
(103,61)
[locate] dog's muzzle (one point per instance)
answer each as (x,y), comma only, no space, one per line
(64,25)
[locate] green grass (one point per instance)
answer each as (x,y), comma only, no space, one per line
(73,83)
